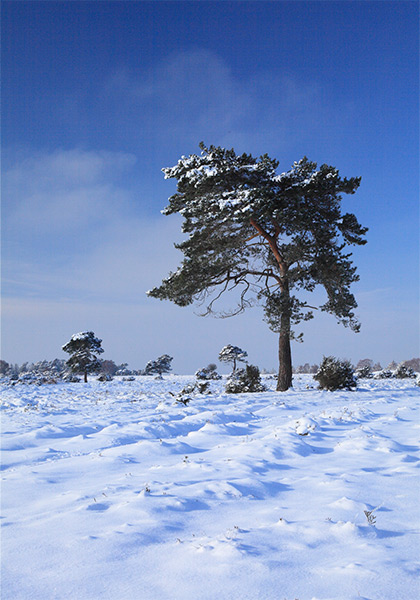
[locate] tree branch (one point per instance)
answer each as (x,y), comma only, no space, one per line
(272,244)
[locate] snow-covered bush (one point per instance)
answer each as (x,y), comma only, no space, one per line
(208,373)
(404,372)
(334,374)
(70,378)
(104,377)
(384,374)
(34,378)
(364,372)
(123,370)
(245,380)
(187,392)
(418,380)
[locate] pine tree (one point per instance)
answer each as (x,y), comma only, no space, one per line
(160,365)
(266,235)
(84,348)
(232,354)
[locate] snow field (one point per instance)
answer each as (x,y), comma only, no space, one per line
(113,490)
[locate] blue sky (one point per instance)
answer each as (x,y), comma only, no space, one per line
(99,96)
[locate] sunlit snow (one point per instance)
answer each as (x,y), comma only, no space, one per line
(116,491)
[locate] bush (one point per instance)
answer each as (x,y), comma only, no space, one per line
(208,373)
(104,377)
(364,372)
(71,378)
(384,374)
(404,371)
(334,374)
(187,392)
(245,380)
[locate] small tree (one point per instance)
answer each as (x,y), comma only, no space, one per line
(160,365)
(4,367)
(232,354)
(83,349)
(266,235)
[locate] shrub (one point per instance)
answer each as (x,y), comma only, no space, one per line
(364,372)
(334,374)
(71,378)
(104,377)
(245,380)
(208,373)
(404,371)
(187,392)
(384,374)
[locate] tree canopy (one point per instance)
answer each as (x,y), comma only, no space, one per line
(83,348)
(267,235)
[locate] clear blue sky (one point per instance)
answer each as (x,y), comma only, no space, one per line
(99,96)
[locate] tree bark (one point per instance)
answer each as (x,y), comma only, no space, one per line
(284,380)
(85,376)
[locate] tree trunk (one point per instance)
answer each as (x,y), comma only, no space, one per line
(284,380)
(85,376)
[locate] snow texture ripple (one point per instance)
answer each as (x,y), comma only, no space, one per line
(115,491)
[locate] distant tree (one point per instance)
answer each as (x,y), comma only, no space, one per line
(160,365)
(232,354)
(392,366)
(4,367)
(414,363)
(306,368)
(108,367)
(83,349)
(265,235)
(377,367)
(365,362)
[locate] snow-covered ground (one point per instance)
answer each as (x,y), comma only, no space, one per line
(114,491)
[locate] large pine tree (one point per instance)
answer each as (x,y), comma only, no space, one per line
(267,235)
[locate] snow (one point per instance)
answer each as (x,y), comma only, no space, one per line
(114,491)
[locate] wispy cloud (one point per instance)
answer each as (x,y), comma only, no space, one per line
(57,192)
(72,229)
(194,95)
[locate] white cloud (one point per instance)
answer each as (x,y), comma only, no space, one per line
(73,232)
(54,193)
